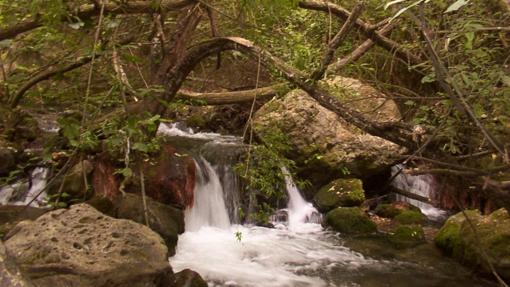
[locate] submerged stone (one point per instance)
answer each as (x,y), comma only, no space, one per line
(350,220)
(341,192)
(407,236)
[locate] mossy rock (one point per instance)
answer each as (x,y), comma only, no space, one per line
(448,239)
(492,237)
(340,193)
(410,217)
(350,220)
(391,210)
(407,236)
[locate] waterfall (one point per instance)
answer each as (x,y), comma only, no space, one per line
(229,254)
(23,191)
(209,208)
(422,185)
(299,210)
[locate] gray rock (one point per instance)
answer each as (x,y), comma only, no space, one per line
(83,247)
(327,144)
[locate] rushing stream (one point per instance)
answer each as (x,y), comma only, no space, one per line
(298,251)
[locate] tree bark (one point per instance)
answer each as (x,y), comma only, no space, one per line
(235,97)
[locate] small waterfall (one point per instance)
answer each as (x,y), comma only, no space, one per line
(299,210)
(209,208)
(227,254)
(422,185)
(23,191)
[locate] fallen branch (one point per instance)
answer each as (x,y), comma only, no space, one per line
(235,97)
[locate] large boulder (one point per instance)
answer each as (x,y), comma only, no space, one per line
(83,247)
(166,220)
(340,192)
(328,145)
(350,220)
(474,241)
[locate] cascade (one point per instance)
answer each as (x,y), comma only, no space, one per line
(298,252)
(24,191)
(422,185)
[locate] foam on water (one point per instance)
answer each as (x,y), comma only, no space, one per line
(422,185)
(236,255)
(22,193)
(179,130)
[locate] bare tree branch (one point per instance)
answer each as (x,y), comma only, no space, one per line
(235,97)
(366,28)
(336,42)
(89,10)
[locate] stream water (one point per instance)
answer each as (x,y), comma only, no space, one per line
(298,251)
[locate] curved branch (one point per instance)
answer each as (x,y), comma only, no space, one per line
(89,10)
(236,97)
(394,132)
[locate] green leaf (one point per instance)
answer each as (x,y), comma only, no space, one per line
(470,36)
(457,5)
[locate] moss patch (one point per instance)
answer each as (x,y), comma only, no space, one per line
(350,220)
(340,193)
(410,217)
(407,236)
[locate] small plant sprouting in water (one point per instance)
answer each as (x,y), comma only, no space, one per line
(239,236)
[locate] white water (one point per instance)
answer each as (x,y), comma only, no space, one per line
(20,193)
(422,185)
(209,207)
(179,130)
(300,212)
(233,255)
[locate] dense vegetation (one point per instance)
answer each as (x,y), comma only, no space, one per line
(111,71)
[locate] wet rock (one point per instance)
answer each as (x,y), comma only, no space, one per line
(410,217)
(492,237)
(350,220)
(7,157)
(341,192)
(405,236)
(10,215)
(83,247)
(391,210)
(189,278)
(10,275)
(169,177)
(73,182)
(166,220)
(329,146)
